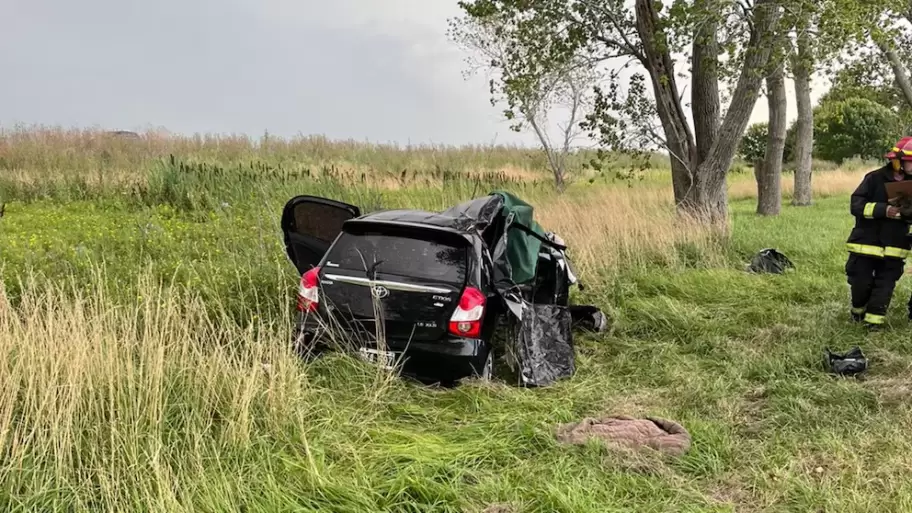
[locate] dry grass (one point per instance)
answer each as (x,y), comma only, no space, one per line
(607,226)
(108,406)
(828,180)
(41,148)
(610,227)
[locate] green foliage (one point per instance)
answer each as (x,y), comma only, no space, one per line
(753,143)
(791,142)
(853,86)
(866,79)
(537,37)
(854,127)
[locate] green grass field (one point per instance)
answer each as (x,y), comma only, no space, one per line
(145,365)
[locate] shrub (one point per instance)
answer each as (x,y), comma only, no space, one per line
(791,142)
(753,143)
(856,127)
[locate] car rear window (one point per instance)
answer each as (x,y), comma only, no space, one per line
(400,256)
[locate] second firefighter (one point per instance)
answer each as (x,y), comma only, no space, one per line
(879,243)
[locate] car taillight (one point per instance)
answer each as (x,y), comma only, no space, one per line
(466,320)
(309,291)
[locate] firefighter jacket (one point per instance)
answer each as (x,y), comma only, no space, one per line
(875,234)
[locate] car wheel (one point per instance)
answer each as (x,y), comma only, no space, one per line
(601,322)
(487,372)
(306,344)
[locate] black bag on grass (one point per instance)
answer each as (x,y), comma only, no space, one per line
(850,363)
(770,261)
(588,318)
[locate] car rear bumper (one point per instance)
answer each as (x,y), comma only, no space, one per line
(448,359)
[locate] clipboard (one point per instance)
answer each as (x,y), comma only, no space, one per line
(896,189)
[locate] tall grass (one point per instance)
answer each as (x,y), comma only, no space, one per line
(146,364)
(169,405)
(41,148)
(205,224)
(70,164)
(106,409)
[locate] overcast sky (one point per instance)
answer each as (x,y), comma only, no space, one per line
(380,70)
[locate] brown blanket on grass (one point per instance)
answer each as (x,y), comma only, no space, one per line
(659,434)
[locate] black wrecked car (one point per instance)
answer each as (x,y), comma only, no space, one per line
(427,292)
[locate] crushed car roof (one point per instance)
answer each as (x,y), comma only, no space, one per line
(515,254)
(468,217)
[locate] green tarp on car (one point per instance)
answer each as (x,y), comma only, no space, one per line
(522,247)
(507,224)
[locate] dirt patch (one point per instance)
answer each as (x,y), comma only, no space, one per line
(499,508)
(661,435)
(752,422)
(769,337)
(893,391)
(735,494)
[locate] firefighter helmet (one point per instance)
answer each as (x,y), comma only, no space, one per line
(901,151)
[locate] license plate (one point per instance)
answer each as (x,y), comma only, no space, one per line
(384,359)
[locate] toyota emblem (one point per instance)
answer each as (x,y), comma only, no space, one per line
(379,291)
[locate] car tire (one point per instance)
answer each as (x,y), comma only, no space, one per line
(487,371)
(307,345)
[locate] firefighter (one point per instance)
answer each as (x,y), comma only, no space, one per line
(879,243)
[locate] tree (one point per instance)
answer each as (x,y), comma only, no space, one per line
(793,51)
(802,67)
(865,79)
(769,174)
(899,69)
(895,39)
(531,99)
(878,31)
(819,32)
(544,35)
(856,127)
(822,32)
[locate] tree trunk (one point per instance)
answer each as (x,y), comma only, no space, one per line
(899,71)
(710,175)
(700,184)
(769,175)
(555,161)
(802,196)
(705,79)
(678,137)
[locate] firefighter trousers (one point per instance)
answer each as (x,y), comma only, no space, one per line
(872,281)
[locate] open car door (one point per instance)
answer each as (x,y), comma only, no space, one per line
(310,224)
